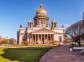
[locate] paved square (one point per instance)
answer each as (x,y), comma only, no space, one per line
(62,54)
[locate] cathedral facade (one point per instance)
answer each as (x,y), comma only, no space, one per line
(39,31)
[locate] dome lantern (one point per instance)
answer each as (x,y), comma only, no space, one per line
(41,5)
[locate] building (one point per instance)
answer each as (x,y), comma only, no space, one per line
(12,41)
(2,38)
(39,31)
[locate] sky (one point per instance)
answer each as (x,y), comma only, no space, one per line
(16,12)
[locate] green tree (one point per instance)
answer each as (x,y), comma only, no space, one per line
(5,41)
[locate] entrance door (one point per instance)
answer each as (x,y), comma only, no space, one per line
(60,38)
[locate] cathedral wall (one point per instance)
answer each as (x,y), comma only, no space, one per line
(22,30)
(28,31)
(58,36)
(20,38)
(59,31)
(21,34)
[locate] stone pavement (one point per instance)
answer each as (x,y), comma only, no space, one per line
(62,54)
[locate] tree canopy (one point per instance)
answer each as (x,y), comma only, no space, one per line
(5,41)
(76,31)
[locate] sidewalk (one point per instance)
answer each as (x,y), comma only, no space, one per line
(62,54)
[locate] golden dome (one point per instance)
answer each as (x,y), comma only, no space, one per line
(41,11)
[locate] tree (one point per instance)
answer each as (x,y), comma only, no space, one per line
(55,42)
(76,31)
(66,41)
(5,41)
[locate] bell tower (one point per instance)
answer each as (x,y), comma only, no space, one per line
(30,24)
(53,24)
(41,18)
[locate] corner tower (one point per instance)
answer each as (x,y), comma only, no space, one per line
(41,18)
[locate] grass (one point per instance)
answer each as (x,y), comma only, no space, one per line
(30,54)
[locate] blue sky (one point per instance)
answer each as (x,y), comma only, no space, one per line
(16,12)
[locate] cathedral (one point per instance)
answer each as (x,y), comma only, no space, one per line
(39,30)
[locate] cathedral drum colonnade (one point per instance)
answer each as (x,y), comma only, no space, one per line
(39,31)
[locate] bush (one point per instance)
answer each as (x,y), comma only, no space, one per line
(66,41)
(24,43)
(54,42)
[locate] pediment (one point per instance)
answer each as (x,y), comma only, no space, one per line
(44,31)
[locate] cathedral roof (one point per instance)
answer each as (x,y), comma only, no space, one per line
(41,11)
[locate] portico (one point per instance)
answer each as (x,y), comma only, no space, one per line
(42,38)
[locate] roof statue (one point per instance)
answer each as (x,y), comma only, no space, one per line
(30,21)
(54,20)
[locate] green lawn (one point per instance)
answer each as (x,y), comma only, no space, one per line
(31,54)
